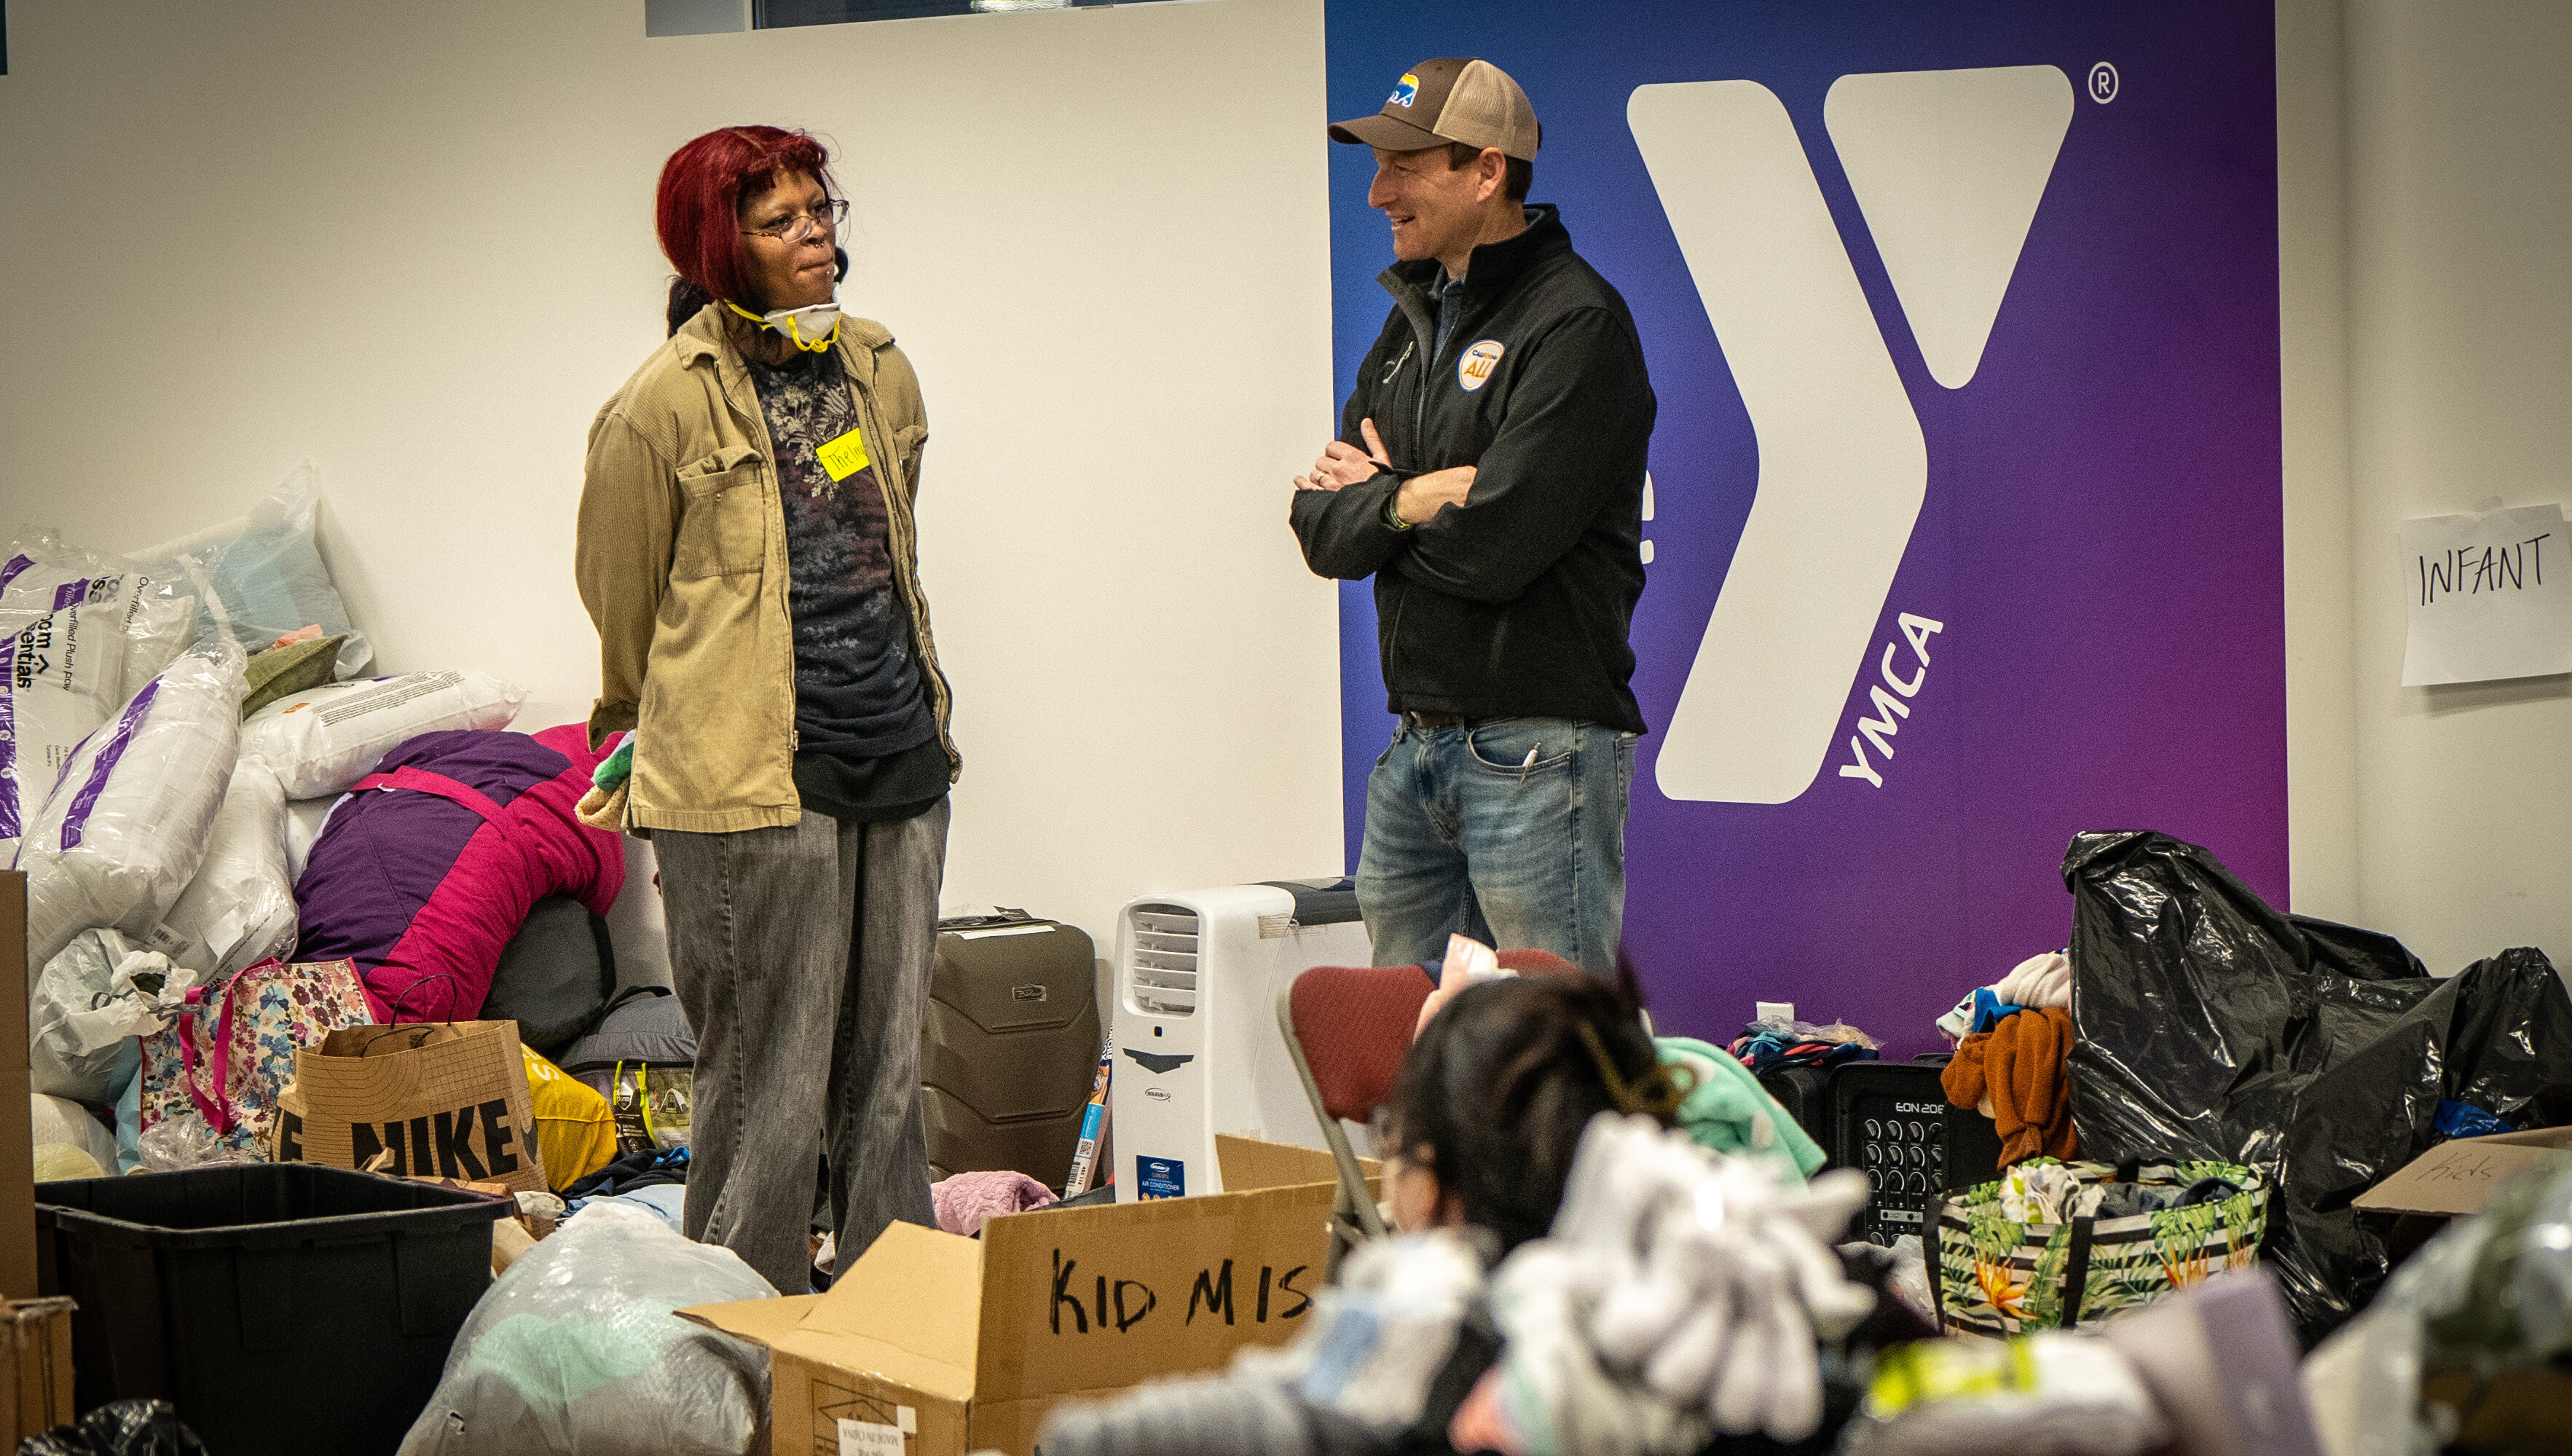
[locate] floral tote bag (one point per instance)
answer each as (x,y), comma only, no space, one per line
(232,1051)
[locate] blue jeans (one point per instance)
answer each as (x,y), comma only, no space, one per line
(1465,832)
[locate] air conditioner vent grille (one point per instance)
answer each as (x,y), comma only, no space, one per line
(1162,973)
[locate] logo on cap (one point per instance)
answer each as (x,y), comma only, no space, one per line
(1473,371)
(1406,93)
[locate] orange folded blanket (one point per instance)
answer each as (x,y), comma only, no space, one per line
(2018,1064)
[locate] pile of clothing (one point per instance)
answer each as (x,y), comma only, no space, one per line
(196,785)
(1764,1046)
(2035,983)
(2045,1192)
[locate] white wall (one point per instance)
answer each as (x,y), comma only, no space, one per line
(2460,388)
(2312,299)
(2426,160)
(414,243)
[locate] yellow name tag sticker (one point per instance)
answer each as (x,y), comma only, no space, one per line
(844,456)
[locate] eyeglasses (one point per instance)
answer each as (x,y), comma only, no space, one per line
(796,226)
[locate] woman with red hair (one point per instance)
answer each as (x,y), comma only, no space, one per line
(747,554)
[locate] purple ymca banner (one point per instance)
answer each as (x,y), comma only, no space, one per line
(1965,526)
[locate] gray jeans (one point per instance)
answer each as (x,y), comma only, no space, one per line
(803,956)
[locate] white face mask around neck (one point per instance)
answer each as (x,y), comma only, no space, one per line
(811,328)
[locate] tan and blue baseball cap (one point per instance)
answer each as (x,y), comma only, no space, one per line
(1450,99)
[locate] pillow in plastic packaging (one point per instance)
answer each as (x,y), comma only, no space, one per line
(240,910)
(124,828)
(64,670)
(321,741)
(62,1163)
(39,571)
(577,1348)
(257,578)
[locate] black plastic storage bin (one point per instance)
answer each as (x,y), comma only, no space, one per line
(285,1309)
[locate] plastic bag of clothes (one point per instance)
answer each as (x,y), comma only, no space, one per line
(89,1003)
(124,828)
(2211,1025)
(120,1428)
(574,1350)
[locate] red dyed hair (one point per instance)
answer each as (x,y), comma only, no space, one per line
(697,210)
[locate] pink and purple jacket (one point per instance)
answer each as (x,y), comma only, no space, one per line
(433,862)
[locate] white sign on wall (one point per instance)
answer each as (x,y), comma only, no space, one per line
(2490,595)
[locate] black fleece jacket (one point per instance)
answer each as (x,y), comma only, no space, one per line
(1517,602)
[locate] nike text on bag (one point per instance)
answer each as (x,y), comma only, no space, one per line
(446,1099)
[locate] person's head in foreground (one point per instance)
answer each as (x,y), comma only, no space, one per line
(1490,1105)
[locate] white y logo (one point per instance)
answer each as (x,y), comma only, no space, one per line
(1947,167)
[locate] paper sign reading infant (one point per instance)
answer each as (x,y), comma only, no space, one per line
(438,1100)
(2490,596)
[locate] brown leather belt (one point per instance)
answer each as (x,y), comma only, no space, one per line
(1437,720)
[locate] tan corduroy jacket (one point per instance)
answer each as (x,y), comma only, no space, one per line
(680,560)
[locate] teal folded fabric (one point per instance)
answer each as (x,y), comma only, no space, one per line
(1729,1112)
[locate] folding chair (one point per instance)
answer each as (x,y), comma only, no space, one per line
(1347,1028)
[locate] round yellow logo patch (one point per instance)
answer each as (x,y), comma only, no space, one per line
(1475,368)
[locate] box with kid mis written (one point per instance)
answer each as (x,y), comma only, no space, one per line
(935,1346)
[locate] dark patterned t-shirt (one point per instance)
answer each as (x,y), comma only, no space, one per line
(857,681)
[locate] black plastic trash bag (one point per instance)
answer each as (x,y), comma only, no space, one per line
(120,1428)
(2212,1026)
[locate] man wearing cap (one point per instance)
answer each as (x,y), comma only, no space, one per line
(1489,476)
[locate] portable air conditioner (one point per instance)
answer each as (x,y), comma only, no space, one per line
(1197,1047)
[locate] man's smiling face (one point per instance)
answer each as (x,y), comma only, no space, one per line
(1434,209)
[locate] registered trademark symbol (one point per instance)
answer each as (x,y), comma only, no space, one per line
(2103,83)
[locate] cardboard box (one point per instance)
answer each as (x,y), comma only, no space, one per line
(17,1135)
(1249,1162)
(2452,1178)
(2508,1410)
(935,1346)
(2455,1177)
(35,1366)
